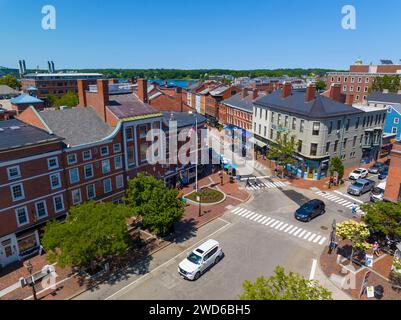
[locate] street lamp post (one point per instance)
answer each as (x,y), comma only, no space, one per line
(30,269)
(199,199)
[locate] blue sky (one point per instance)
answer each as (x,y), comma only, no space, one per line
(190,34)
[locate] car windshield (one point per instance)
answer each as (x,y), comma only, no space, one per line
(378,165)
(307,207)
(194,258)
(358,171)
(358,184)
(377,191)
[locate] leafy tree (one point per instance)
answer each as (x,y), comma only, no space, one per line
(356,232)
(384,218)
(159,206)
(282,286)
(320,85)
(11,81)
(336,165)
(283,149)
(389,82)
(52,99)
(70,99)
(91,233)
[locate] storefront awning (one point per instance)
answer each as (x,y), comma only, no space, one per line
(260,143)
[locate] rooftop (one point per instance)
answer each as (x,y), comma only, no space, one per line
(319,108)
(385,97)
(239,102)
(62,74)
(77,125)
(125,106)
(25,99)
(15,134)
(6,90)
(184,119)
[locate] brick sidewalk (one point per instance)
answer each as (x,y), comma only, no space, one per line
(381,268)
(69,284)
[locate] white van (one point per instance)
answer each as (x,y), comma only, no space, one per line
(377,193)
(199,260)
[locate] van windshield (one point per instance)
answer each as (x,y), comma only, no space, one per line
(194,258)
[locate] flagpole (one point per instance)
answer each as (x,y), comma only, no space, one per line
(196,172)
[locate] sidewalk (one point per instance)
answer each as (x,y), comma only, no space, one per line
(68,284)
(349,279)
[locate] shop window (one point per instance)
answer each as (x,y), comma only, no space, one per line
(313,149)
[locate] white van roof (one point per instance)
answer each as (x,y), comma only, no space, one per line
(203,248)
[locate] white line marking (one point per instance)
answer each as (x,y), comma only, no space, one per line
(317,239)
(301,234)
(261,219)
(236,210)
(243,212)
(313,269)
(298,231)
(347,196)
(307,235)
(266,224)
(292,231)
(322,241)
(288,229)
(312,237)
(283,226)
(257,217)
(272,226)
(168,261)
(279,225)
(250,213)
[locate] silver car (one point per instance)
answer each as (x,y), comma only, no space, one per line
(361,186)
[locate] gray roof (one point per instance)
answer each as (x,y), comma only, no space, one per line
(15,134)
(128,105)
(319,108)
(396,107)
(6,90)
(385,97)
(184,119)
(239,102)
(77,126)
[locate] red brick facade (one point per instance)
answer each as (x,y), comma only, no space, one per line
(393,185)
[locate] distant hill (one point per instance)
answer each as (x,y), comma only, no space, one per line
(4,71)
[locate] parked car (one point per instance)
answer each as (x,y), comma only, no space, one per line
(201,259)
(376,167)
(310,210)
(383,174)
(377,193)
(361,186)
(358,174)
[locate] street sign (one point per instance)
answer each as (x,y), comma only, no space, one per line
(369,260)
(370,292)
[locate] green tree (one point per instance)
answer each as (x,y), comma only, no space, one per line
(159,206)
(389,82)
(11,81)
(383,217)
(336,165)
(282,286)
(283,149)
(91,233)
(70,99)
(356,232)
(320,85)
(52,99)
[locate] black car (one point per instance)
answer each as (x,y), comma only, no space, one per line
(310,210)
(383,174)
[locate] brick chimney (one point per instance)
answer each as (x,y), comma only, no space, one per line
(335,92)
(143,90)
(349,100)
(82,86)
(287,89)
(310,92)
(103,94)
(178,97)
(255,94)
(244,92)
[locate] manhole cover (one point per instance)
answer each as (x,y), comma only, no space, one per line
(324,228)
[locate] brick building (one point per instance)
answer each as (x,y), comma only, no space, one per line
(359,79)
(56,84)
(393,185)
(24,101)
(32,187)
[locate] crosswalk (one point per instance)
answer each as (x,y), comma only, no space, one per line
(259,184)
(339,200)
(282,226)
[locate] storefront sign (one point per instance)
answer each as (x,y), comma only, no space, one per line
(370,292)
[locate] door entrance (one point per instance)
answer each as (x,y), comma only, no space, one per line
(7,252)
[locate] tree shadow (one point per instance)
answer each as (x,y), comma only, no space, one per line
(183,230)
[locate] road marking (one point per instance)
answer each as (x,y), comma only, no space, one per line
(317,239)
(256,217)
(347,196)
(272,226)
(243,213)
(289,228)
(279,225)
(307,235)
(283,226)
(301,234)
(241,210)
(268,219)
(312,237)
(266,224)
(236,210)
(323,240)
(313,269)
(248,214)
(261,219)
(251,215)
(292,231)
(298,231)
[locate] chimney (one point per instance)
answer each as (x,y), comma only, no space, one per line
(24,66)
(335,92)
(53,68)
(133,80)
(255,94)
(143,90)
(81,93)
(287,89)
(244,92)
(349,99)
(49,67)
(178,97)
(310,92)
